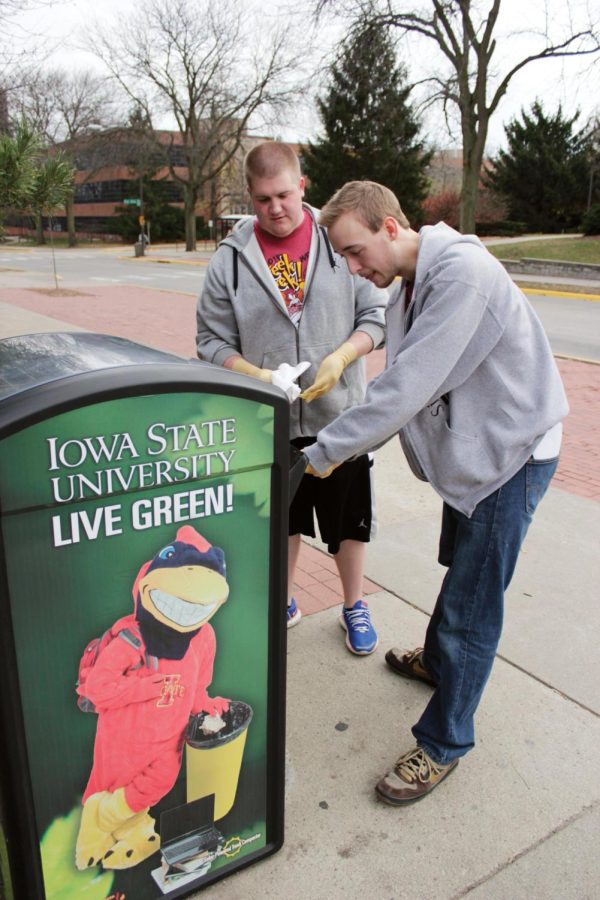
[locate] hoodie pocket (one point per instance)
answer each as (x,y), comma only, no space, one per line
(276,356)
(459,436)
(461,460)
(452,459)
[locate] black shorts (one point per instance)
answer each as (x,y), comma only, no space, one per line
(343,503)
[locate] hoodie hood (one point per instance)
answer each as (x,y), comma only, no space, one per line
(243,230)
(242,240)
(434,242)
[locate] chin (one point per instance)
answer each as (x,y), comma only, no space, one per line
(378,280)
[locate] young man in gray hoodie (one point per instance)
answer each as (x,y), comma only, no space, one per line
(275,294)
(472,390)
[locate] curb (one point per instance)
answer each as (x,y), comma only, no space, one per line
(551,292)
(579,359)
(164,260)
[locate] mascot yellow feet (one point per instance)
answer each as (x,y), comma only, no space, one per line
(112,834)
(136,840)
(92,841)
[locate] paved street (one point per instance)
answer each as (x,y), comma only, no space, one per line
(80,267)
(572,323)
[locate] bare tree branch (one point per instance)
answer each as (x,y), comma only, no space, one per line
(192,59)
(464,33)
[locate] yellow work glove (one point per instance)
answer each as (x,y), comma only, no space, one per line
(242,365)
(113,810)
(330,371)
(310,471)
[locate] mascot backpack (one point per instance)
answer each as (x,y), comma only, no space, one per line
(94,649)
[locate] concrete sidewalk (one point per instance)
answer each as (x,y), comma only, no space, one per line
(521,816)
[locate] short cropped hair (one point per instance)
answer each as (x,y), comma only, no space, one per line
(267,160)
(371,202)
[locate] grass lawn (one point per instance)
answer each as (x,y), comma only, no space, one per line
(576,249)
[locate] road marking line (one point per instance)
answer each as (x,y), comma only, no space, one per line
(571,294)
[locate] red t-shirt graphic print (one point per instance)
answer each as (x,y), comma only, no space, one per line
(287,259)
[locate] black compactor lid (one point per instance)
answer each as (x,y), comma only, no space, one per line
(34,359)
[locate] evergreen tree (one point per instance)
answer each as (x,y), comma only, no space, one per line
(165,221)
(544,174)
(370,131)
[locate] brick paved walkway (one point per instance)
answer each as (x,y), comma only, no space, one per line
(579,467)
(167,321)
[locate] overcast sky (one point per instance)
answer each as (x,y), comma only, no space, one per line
(572,82)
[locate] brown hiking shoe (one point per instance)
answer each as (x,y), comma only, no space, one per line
(410,664)
(414,775)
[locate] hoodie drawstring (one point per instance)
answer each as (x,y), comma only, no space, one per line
(332,261)
(235,270)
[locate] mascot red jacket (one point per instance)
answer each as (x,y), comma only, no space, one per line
(145,684)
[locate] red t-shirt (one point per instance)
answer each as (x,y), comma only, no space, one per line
(287,259)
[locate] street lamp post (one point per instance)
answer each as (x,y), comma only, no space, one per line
(141,219)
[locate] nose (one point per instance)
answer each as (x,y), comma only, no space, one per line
(353,265)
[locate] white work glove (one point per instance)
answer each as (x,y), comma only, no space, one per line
(285,377)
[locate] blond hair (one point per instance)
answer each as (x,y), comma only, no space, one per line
(370,201)
(269,159)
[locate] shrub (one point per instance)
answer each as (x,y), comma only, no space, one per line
(590,224)
(443,207)
(506,228)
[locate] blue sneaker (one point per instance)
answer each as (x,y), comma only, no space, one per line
(361,637)
(293,614)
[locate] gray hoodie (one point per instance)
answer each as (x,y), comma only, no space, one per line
(470,382)
(240,311)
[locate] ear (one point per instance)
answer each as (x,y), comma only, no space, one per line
(302,184)
(390,226)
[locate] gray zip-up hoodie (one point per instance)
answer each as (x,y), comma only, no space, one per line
(240,311)
(470,382)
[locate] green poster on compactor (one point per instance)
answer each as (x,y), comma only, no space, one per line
(137,547)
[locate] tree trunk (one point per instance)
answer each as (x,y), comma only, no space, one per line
(190,218)
(39,229)
(70,211)
(468,199)
(213,201)
(473,146)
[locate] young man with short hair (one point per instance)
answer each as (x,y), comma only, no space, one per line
(473,391)
(274,294)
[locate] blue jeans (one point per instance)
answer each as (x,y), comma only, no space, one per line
(463,633)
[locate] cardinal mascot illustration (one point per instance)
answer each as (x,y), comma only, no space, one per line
(144,678)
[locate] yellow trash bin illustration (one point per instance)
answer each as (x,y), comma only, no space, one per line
(214,761)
